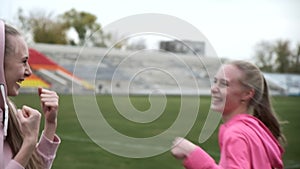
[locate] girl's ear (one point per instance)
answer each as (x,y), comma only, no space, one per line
(248,94)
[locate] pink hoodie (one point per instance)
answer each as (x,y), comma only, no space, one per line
(245,143)
(45,148)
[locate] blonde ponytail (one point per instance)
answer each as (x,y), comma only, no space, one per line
(260,104)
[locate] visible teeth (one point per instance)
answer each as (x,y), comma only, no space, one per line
(217,99)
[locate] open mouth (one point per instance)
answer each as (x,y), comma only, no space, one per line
(217,99)
(19,82)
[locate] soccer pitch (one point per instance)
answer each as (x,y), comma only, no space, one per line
(78,151)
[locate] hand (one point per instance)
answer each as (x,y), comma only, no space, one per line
(182,147)
(49,103)
(29,120)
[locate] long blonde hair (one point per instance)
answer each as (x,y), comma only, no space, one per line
(14,134)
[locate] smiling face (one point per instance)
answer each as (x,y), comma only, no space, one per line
(228,93)
(16,65)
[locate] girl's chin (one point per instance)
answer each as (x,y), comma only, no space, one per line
(217,108)
(13,92)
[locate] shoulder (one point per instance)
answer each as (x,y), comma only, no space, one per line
(240,127)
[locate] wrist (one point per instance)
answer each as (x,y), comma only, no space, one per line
(25,152)
(50,130)
(51,124)
(190,149)
(29,143)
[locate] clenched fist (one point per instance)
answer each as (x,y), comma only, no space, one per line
(182,147)
(29,120)
(49,103)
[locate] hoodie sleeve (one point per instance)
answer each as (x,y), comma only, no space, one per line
(47,149)
(199,159)
(234,155)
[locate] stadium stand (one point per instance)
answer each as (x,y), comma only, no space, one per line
(48,74)
(138,72)
(135,72)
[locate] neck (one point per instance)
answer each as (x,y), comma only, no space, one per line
(240,110)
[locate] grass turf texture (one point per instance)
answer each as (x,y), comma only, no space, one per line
(77,151)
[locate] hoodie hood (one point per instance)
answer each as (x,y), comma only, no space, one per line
(271,145)
(3,89)
(2,51)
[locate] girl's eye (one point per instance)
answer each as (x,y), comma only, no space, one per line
(25,61)
(215,81)
(223,84)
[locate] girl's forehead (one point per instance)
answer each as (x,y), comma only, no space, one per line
(229,72)
(20,47)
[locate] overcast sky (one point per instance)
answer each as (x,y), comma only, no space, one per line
(233,27)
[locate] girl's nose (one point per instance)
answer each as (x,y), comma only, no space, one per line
(28,71)
(214,88)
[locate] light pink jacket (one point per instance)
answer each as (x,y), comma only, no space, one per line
(245,143)
(45,148)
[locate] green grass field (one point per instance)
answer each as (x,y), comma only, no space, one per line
(77,151)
